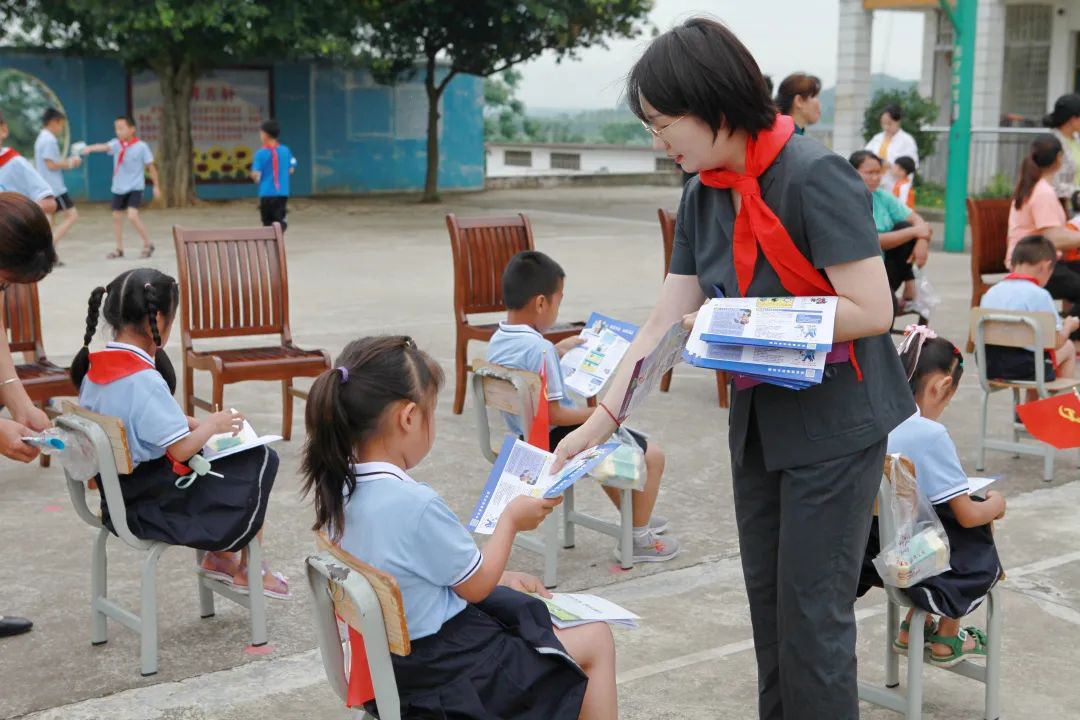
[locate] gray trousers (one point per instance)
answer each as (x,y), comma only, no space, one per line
(802,535)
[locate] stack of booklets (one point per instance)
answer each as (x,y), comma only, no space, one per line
(570,610)
(780,341)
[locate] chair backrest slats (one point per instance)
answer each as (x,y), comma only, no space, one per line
(989,218)
(1012,329)
(482,247)
(22,320)
(232,282)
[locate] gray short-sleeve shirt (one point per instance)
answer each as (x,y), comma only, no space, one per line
(828,213)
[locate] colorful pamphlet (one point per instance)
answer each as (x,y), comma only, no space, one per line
(570,610)
(649,369)
(521,469)
(587,368)
(225,444)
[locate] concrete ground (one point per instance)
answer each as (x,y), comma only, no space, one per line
(374,265)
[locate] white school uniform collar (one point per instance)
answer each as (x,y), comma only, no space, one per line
(367,471)
(130,348)
(507,327)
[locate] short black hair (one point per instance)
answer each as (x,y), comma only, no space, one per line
(1033,249)
(860,156)
(1075,201)
(895,111)
(528,274)
(272,128)
(701,68)
(51,114)
(906,163)
(128,119)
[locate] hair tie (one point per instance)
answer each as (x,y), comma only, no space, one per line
(916,335)
(344,374)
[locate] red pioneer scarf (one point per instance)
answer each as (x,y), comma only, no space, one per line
(123,149)
(7,154)
(273,148)
(108,366)
(756,225)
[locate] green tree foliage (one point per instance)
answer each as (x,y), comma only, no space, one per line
(23,99)
(481,37)
(917,111)
(178,39)
(504,113)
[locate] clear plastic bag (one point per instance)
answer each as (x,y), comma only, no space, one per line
(625,467)
(74,451)
(919,547)
(926,298)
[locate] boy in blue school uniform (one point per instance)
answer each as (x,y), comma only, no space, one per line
(533,291)
(51,166)
(18,175)
(271,168)
(1024,290)
(132,161)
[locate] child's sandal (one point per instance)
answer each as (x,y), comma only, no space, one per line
(280,592)
(115,255)
(955,644)
(930,629)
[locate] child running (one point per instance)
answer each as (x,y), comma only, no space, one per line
(479,648)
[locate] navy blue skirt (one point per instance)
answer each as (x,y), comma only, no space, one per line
(496,659)
(213,513)
(957,592)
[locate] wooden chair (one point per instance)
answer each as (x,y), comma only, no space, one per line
(482,248)
(109,440)
(909,703)
(989,220)
(667,229)
(515,392)
(367,600)
(233,283)
(1018,330)
(41,379)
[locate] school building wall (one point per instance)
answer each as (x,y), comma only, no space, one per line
(349,135)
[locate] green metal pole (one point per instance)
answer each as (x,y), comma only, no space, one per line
(963,67)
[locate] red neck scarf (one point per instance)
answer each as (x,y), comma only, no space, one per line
(756,225)
(272,147)
(1022,276)
(6,155)
(107,366)
(123,149)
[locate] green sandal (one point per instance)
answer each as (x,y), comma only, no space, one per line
(905,626)
(956,645)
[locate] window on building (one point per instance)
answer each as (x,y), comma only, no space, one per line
(664,164)
(518,158)
(565,161)
(1027,64)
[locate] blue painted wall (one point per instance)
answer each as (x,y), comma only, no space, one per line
(349,134)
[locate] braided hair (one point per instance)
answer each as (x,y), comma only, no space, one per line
(130,301)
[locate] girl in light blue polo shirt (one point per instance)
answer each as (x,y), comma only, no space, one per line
(133,380)
(480,649)
(934,367)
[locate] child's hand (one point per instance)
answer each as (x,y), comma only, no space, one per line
(157,192)
(688,320)
(524,582)
(565,346)
(226,421)
(995,496)
(192,424)
(1071,324)
(526,513)
(921,253)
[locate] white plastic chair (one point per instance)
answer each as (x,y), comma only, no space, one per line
(909,703)
(109,441)
(1017,330)
(369,601)
(515,392)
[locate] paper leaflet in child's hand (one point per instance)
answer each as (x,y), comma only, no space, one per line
(577,467)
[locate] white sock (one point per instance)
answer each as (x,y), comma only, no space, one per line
(641,534)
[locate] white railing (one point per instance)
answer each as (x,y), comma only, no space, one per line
(996,153)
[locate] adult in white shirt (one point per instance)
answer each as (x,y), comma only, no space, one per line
(893,142)
(51,165)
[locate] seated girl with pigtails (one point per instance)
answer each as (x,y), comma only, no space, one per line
(133,380)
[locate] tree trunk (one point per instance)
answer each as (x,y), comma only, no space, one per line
(174,156)
(431,181)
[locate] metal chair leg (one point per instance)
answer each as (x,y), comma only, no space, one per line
(915,665)
(568,524)
(550,532)
(148,629)
(99,588)
(206,595)
(255,595)
(980,444)
(626,529)
(993,657)
(892,659)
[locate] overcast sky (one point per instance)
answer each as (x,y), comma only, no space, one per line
(784,35)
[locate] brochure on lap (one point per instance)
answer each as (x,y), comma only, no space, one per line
(587,368)
(570,610)
(226,444)
(522,469)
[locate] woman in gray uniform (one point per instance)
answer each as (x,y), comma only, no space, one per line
(772,213)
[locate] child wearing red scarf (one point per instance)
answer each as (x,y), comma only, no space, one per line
(272,167)
(1024,290)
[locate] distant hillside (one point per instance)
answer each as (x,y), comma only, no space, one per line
(878,81)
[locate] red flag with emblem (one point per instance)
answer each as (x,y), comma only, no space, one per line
(1054,420)
(540,430)
(361,688)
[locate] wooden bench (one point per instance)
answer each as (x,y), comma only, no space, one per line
(234,283)
(667,230)
(482,248)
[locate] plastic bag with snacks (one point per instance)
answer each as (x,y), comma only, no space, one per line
(918,547)
(625,467)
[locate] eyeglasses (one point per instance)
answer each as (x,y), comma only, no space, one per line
(656,133)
